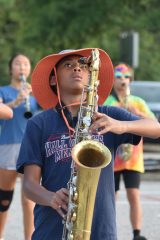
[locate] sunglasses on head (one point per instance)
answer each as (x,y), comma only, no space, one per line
(120,75)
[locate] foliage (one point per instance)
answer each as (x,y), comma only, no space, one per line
(38,28)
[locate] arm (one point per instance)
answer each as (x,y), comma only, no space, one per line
(37,193)
(17,101)
(23,93)
(145,127)
(5,112)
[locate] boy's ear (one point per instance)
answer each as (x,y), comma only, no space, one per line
(53,81)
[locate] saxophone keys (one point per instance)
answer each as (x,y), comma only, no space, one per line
(87,121)
(74,180)
(75,196)
(96,83)
(71,237)
(73,217)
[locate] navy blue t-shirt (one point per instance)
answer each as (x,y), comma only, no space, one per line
(47,144)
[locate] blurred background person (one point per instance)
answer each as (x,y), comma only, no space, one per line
(17,96)
(5,111)
(129,162)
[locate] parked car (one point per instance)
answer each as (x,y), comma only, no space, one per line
(150,92)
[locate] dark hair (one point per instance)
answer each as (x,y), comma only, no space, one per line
(53,87)
(114,94)
(13,57)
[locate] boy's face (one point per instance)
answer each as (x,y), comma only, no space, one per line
(72,75)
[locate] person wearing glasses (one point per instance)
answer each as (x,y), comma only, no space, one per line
(129,162)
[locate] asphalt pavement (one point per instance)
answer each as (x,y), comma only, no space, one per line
(150,199)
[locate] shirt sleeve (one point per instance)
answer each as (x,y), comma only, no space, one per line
(143,107)
(110,101)
(31,148)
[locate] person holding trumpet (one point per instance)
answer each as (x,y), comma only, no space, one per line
(129,162)
(17,96)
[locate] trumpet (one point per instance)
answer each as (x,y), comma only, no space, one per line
(27,113)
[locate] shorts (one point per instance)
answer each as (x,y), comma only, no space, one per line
(9,155)
(131,179)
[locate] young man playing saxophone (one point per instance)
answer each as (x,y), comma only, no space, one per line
(45,156)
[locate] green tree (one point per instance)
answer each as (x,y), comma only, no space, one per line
(39,27)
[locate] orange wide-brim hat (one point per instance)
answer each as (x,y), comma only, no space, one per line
(41,74)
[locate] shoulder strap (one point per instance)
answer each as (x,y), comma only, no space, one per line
(66,112)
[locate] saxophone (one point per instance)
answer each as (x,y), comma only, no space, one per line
(89,156)
(125,150)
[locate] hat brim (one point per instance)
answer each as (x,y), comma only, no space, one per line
(40,77)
